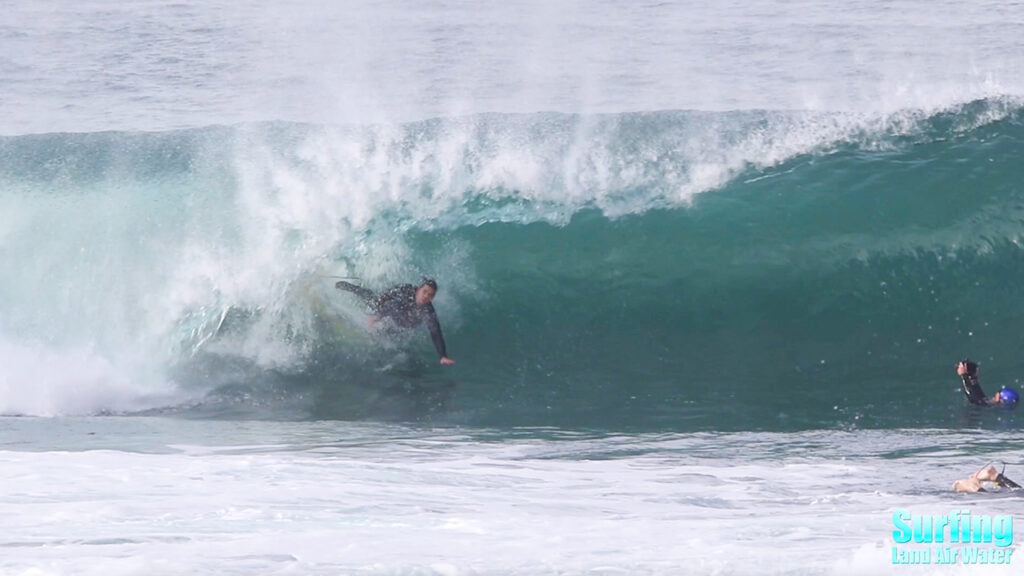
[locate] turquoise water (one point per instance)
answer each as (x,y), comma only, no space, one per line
(802,271)
(705,269)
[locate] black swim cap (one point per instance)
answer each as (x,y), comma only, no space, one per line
(429,282)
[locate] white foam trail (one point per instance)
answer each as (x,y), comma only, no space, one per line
(147,495)
(41,381)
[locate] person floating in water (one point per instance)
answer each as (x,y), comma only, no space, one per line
(968,372)
(405,306)
(973,483)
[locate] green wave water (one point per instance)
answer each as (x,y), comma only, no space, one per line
(671,270)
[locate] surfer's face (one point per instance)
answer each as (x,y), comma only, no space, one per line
(424,294)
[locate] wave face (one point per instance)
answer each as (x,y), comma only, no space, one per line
(665,270)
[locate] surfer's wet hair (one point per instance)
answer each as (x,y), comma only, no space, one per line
(429,282)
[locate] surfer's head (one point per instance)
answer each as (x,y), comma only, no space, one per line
(426,291)
(1008,396)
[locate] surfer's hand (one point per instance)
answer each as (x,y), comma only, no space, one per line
(447,360)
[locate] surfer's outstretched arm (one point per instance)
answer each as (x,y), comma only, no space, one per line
(435,334)
(364,294)
(968,372)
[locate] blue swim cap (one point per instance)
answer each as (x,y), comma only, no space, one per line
(1008,396)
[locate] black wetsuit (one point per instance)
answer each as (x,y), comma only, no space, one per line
(398,304)
(972,389)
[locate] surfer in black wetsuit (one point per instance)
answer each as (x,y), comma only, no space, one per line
(405,306)
(968,372)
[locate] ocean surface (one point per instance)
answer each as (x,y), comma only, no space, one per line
(705,271)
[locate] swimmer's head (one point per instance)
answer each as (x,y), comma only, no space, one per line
(1008,396)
